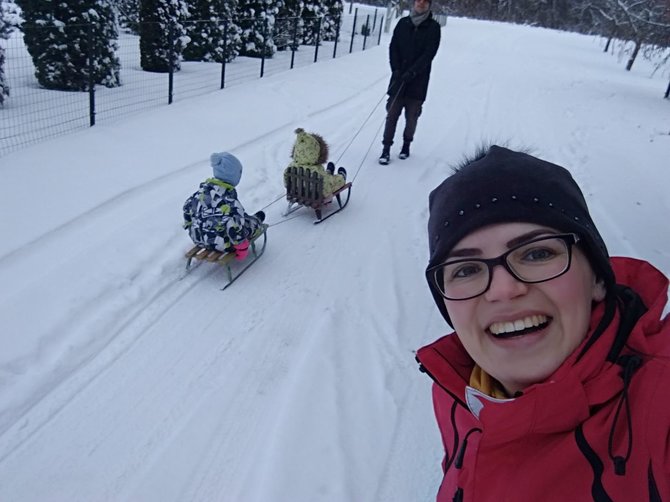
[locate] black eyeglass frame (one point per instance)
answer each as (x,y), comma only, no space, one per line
(434,273)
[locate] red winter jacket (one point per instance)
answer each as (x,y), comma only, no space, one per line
(595,430)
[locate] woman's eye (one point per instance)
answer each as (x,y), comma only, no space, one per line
(539,254)
(465,270)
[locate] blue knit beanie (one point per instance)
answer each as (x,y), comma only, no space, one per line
(226,167)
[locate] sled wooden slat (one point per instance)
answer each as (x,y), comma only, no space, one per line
(193,251)
(213,256)
(305,187)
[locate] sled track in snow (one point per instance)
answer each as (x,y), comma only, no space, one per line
(57,398)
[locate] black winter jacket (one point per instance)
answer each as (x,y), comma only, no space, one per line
(412,49)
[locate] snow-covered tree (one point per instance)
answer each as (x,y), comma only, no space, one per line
(10,19)
(69,40)
(312,14)
(162,34)
(332,19)
(128,12)
(257,18)
(289,25)
(209,22)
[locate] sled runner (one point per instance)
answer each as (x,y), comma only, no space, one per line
(227,259)
(305,188)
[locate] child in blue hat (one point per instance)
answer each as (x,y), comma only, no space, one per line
(214,217)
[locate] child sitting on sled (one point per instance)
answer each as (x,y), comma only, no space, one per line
(310,151)
(214,217)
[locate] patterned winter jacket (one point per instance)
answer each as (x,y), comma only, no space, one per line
(597,429)
(215,219)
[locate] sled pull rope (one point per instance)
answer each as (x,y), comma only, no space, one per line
(268,205)
(360,165)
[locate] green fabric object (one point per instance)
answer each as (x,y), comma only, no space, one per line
(307,151)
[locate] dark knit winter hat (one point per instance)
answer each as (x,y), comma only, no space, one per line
(506,186)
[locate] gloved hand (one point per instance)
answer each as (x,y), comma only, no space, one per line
(394,83)
(407,76)
(241,250)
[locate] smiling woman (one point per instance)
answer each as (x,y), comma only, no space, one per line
(549,387)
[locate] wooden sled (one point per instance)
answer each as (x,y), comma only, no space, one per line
(305,188)
(228,260)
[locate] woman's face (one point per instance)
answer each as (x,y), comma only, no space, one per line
(561,306)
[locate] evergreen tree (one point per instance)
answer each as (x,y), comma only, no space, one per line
(128,12)
(162,34)
(289,25)
(332,19)
(60,37)
(312,15)
(208,21)
(10,19)
(256,18)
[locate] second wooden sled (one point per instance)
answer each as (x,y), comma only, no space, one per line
(305,188)
(227,260)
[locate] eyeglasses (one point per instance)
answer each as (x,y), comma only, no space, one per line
(537,260)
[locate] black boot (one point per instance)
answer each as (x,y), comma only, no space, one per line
(385,157)
(342,172)
(330,167)
(260,215)
(404,153)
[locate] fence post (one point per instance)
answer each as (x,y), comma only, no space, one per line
(294,44)
(171,60)
(353,31)
(374,22)
(318,39)
(91,77)
(379,37)
(337,34)
(225,53)
(367,30)
(265,31)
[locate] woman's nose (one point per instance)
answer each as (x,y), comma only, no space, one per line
(504,286)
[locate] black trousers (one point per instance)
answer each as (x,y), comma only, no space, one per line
(412,109)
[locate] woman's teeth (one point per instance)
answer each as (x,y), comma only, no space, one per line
(518,326)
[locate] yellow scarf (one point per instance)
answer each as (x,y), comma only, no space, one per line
(485,383)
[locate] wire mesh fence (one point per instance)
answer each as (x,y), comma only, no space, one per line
(32,113)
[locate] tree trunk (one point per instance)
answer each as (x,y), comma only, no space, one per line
(638,44)
(607,45)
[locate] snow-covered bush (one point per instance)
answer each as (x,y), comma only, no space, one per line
(72,43)
(10,19)
(209,22)
(312,13)
(128,12)
(331,19)
(162,34)
(256,18)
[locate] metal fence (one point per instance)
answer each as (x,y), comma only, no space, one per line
(32,113)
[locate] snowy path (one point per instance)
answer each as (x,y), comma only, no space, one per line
(299,382)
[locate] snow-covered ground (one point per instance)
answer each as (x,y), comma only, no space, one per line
(119,381)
